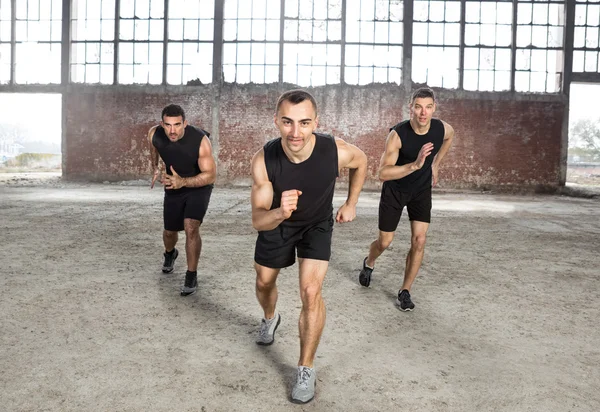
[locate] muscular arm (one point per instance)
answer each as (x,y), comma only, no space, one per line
(262,198)
(387,166)
(448,138)
(354,159)
(154,158)
(153,151)
(207,165)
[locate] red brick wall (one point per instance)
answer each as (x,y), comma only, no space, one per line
(106,128)
(502,140)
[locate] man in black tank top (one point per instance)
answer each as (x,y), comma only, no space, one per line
(409,166)
(188,178)
(293,182)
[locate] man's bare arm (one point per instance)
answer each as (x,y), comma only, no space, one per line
(387,166)
(448,138)
(207,165)
(354,159)
(154,158)
(262,197)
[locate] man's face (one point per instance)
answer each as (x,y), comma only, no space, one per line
(296,123)
(174,127)
(422,110)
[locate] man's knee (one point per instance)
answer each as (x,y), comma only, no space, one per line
(191,227)
(310,294)
(385,240)
(418,241)
(170,234)
(264,284)
(266,278)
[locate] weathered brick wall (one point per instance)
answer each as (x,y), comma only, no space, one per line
(107,128)
(502,139)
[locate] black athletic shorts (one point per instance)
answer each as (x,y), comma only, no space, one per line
(277,248)
(392,202)
(191,204)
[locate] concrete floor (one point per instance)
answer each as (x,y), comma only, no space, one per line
(508,301)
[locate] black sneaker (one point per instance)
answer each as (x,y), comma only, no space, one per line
(365,274)
(190,285)
(170,261)
(403,302)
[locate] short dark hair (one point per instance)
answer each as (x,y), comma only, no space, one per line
(422,93)
(296,96)
(173,110)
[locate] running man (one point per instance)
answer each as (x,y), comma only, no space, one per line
(409,166)
(190,173)
(293,184)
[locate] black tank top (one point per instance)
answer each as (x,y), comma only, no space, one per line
(182,155)
(411,144)
(315,177)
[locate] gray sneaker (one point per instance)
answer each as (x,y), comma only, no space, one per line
(190,285)
(304,389)
(266,336)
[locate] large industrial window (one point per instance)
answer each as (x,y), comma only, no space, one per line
(251,35)
(141,34)
(312,42)
(488,40)
(436,40)
(586,53)
(38,41)
(539,58)
(5,38)
(92,47)
(374,36)
(190,46)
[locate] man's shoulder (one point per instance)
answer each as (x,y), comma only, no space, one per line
(200,131)
(328,139)
(400,126)
(437,122)
(324,135)
(271,143)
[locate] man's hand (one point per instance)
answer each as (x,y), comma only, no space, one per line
(434,172)
(423,153)
(289,202)
(173,182)
(154,177)
(346,213)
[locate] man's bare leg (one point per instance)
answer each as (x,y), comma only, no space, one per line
(193,246)
(384,240)
(266,289)
(312,315)
(266,293)
(193,243)
(416,252)
(170,238)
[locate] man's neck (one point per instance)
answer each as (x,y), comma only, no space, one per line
(305,153)
(418,129)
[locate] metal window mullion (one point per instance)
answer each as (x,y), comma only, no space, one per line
(264,60)
(407,49)
(297,44)
(513,45)
(180,61)
(568,40)
(165,40)
(342,44)
(116,41)
(65,43)
(373,45)
(461,49)
(281,33)
(217,43)
(13,40)
(250,42)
